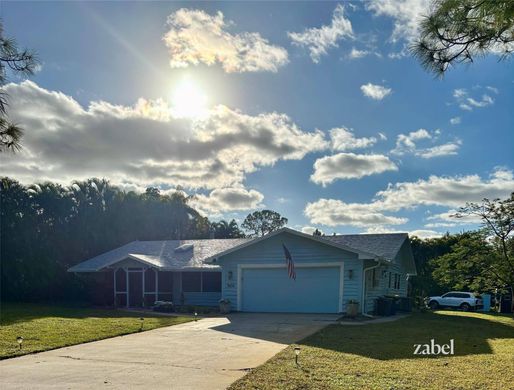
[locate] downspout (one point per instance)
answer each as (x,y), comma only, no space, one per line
(364,286)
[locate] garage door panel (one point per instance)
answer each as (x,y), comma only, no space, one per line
(315,290)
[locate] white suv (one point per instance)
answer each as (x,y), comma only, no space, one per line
(456,299)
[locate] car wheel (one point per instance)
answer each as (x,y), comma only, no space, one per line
(465,307)
(433,305)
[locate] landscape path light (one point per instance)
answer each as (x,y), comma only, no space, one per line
(19,339)
(142,323)
(296,354)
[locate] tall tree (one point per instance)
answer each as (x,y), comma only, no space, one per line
(224,229)
(424,251)
(483,259)
(458,31)
(21,62)
(46,228)
(263,222)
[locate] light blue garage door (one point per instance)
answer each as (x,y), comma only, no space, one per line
(315,290)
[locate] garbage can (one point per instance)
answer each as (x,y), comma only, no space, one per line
(385,306)
(506,303)
(402,304)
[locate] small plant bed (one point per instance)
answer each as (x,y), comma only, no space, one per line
(358,318)
(45,327)
(200,310)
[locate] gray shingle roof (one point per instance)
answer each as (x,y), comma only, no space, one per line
(384,245)
(162,254)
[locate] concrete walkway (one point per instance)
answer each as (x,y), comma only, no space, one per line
(208,354)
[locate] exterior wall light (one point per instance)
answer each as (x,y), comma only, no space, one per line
(296,354)
(350,274)
(230,275)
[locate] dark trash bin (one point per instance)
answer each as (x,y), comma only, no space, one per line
(385,306)
(506,303)
(403,304)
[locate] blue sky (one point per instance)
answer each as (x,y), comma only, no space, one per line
(315,110)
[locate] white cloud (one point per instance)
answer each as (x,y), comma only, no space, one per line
(144,145)
(227,199)
(343,139)
(448,218)
(468,103)
(451,192)
(310,230)
(447,191)
(407,15)
(447,149)
(408,144)
(331,212)
(424,234)
(196,37)
(455,120)
(356,53)
(421,233)
(319,40)
(440,224)
(374,91)
(349,166)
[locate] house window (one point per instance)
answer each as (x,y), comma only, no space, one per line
(397,278)
(192,281)
(211,281)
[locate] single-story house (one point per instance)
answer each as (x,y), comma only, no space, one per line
(252,272)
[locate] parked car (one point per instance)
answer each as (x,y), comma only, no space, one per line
(456,299)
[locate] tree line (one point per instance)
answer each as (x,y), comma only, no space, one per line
(478,261)
(47,227)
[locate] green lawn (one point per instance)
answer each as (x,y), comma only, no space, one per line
(48,327)
(380,356)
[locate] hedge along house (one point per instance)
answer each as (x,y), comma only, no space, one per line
(253,274)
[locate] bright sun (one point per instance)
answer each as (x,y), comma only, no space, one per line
(189,101)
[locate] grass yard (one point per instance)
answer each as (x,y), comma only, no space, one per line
(380,356)
(49,327)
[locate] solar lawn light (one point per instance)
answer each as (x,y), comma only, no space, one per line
(142,323)
(296,354)
(196,316)
(19,339)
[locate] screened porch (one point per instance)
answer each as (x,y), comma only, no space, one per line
(138,286)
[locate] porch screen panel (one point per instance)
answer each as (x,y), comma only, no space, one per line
(211,281)
(192,281)
(121,280)
(165,285)
(150,280)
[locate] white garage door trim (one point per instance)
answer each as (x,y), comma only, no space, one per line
(240,268)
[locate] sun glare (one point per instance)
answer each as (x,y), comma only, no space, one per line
(189,101)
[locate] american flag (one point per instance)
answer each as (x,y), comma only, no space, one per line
(290,264)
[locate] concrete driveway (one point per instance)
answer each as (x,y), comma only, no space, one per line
(208,354)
